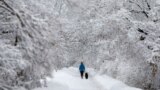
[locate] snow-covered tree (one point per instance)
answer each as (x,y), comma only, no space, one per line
(118,37)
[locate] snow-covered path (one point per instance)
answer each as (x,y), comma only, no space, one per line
(69,79)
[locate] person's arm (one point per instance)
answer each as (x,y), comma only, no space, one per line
(84,67)
(79,67)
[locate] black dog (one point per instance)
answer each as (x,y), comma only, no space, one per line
(86,75)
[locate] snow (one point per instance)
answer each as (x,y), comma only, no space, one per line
(59,33)
(158,2)
(69,79)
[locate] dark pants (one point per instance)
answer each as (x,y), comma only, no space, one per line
(82,72)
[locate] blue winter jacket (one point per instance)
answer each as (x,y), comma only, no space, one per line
(82,67)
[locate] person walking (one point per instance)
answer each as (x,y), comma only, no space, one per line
(82,69)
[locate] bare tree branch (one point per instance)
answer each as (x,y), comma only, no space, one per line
(145,13)
(5,8)
(149,7)
(13,12)
(142,10)
(18,16)
(136,4)
(10,9)
(7,5)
